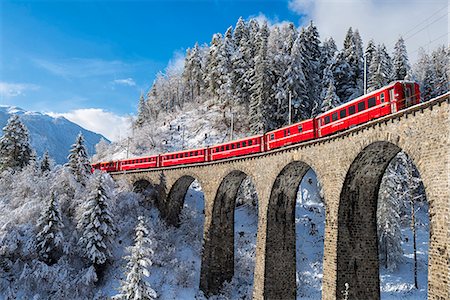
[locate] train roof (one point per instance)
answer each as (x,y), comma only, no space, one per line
(184,151)
(235,141)
(288,126)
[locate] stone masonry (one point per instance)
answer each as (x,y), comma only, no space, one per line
(349,166)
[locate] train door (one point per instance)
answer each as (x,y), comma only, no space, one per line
(408,92)
(392,100)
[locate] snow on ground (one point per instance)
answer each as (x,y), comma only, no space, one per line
(399,284)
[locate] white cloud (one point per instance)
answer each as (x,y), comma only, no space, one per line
(8,90)
(125,81)
(108,124)
(422,23)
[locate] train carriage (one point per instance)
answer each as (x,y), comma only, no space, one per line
(296,133)
(139,163)
(246,146)
(382,102)
(183,157)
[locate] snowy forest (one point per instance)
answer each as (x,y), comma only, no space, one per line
(68,234)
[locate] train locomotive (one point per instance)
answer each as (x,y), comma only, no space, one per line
(387,100)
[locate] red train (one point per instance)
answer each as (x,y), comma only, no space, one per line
(389,99)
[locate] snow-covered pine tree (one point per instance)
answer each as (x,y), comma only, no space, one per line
(331,100)
(343,74)
(225,67)
(135,286)
(212,72)
(142,113)
(350,56)
(425,72)
(327,61)
(380,69)
(298,82)
(310,45)
(78,163)
(400,60)
(261,85)
(192,74)
(386,65)
(240,63)
(45,163)
(441,65)
(249,49)
(281,40)
(15,149)
(50,237)
(96,223)
(388,220)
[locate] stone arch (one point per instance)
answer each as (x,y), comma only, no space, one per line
(175,200)
(218,249)
(280,266)
(146,189)
(357,242)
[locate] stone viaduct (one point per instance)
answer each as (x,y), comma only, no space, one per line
(350,166)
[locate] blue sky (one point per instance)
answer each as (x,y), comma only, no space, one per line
(91,59)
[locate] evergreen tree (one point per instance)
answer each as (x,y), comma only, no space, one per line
(331,100)
(343,74)
(328,62)
(212,72)
(400,60)
(281,40)
(310,47)
(240,63)
(78,163)
(15,149)
(441,64)
(142,113)
(135,286)
(370,52)
(388,220)
(261,85)
(353,55)
(49,238)
(300,95)
(45,163)
(96,223)
(225,67)
(192,76)
(380,69)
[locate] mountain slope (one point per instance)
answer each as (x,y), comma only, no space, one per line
(53,134)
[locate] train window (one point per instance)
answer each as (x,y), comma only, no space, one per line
(196,153)
(382,97)
(233,146)
(327,119)
(176,156)
(239,145)
(272,136)
(351,110)
(288,132)
(217,149)
(244,144)
(334,116)
(372,102)
(221,148)
(343,113)
(300,128)
(361,106)
(228,147)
